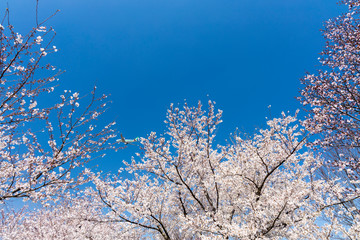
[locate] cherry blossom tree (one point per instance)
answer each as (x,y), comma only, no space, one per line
(186,187)
(44,134)
(333,93)
(332,97)
(72,218)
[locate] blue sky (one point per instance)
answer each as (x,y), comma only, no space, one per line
(243,54)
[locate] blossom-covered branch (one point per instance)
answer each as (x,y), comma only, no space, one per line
(42,136)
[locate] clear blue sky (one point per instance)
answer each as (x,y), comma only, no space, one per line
(244,54)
